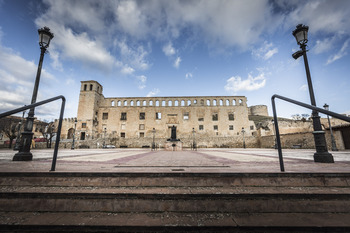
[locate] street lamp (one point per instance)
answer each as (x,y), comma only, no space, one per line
(243,131)
(104,138)
(18,144)
(194,139)
(75,127)
(153,143)
(322,155)
(24,153)
(334,145)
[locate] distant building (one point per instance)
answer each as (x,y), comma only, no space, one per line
(129,121)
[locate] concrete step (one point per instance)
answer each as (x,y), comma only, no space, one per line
(46,179)
(165,202)
(223,203)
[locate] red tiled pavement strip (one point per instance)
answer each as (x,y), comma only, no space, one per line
(204,160)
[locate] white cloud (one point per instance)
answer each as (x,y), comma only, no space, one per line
(135,57)
(127,70)
(341,53)
(169,49)
(141,81)
(17,76)
(266,51)
(154,92)
(56,63)
(321,16)
(188,75)
(131,19)
(324,45)
(235,84)
(177,62)
(303,87)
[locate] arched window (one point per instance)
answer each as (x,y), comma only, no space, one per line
(182,103)
(151,103)
(227,102)
(188,102)
(119,103)
(240,102)
(214,102)
(163,103)
(157,103)
(131,103)
(144,103)
(138,103)
(208,102)
(202,102)
(221,102)
(112,103)
(125,103)
(170,103)
(176,103)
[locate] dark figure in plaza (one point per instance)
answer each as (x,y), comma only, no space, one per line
(173,134)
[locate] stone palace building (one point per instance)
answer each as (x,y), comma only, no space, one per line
(209,121)
(134,121)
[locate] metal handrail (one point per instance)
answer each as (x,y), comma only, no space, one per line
(17,110)
(327,112)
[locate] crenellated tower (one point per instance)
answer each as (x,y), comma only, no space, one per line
(89,100)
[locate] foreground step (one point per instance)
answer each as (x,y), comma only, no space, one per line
(66,179)
(165,202)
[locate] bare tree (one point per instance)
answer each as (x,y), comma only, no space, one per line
(8,127)
(49,133)
(296,117)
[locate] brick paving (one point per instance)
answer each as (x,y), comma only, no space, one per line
(230,160)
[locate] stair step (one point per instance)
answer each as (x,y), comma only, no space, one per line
(176,190)
(177,219)
(175,179)
(225,203)
(165,202)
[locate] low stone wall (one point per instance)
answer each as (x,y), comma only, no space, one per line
(209,142)
(293,140)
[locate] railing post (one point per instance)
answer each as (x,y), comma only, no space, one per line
(277,133)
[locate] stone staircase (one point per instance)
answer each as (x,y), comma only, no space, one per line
(174,202)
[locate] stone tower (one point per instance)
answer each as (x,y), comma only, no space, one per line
(89,101)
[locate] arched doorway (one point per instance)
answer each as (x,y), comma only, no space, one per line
(70,133)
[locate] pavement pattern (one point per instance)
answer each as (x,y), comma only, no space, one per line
(228,160)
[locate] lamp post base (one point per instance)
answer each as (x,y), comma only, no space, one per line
(23,156)
(323,157)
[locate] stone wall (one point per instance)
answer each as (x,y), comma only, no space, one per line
(211,142)
(258,110)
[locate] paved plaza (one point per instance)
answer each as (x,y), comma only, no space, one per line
(214,160)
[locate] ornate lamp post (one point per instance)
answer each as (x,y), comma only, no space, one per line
(194,139)
(18,144)
(153,143)
(243,131)
(322,155)
(24,153)
(75,127)
(334,145)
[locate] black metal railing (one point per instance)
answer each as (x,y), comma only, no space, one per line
(327,112)
(58,135)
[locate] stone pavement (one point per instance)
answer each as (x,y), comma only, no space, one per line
(228,160)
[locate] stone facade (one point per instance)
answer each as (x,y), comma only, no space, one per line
(129,122)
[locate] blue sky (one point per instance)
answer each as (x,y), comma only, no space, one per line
(175,48)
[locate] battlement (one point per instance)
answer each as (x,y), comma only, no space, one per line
(181,101)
